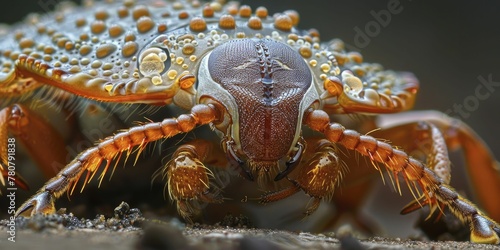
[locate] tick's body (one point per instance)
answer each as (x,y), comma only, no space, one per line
(256,79)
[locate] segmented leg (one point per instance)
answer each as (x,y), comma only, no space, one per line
(483,229)
(44,144)
(41,140)
(189,180)
(423,139)
(483,169)
(111,149)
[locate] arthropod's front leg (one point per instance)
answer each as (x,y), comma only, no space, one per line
(188,179)
(483,229)
(111,149)
(326,168)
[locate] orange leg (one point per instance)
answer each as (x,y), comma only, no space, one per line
(422,137)
(42,141)
(425,141)
(483,169)
(357,181)
(323,169)
(415,173)
(109,150)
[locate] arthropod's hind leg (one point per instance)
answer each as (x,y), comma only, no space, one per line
(424,141)
(189,181)
(415,173)
(109,150)
(44,144)
(318,176)
(421,138)
(483,169)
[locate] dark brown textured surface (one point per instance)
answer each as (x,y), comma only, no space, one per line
(267,81)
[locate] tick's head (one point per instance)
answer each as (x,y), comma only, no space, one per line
(265,87)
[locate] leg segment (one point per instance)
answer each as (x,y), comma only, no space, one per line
(483,229)
(424,141)
(188,179)
(111,149)
(44,144)
(321,171)
(483,169)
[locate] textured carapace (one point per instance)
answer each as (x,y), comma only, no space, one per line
(152,52)
(149,51)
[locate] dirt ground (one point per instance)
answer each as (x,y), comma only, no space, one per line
(128,229)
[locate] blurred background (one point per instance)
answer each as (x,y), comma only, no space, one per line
(447,44)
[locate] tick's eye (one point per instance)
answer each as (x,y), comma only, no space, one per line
(154,61)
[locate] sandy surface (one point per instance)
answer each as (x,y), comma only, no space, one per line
(128,229)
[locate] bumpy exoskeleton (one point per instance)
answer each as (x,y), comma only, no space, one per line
(255,78)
